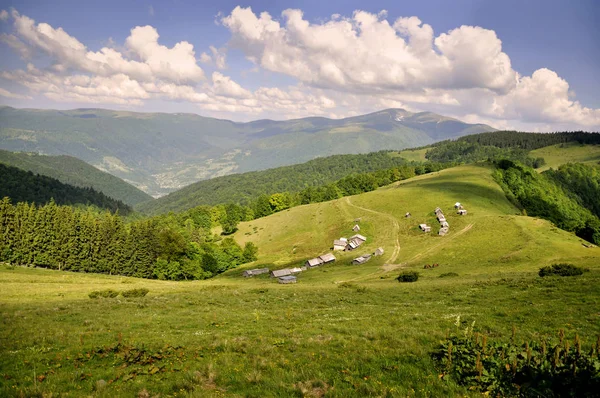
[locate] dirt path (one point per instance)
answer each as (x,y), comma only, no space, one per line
(395,225)
(390,267)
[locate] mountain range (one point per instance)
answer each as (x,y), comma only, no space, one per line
(160,153)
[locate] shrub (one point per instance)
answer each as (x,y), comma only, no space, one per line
(141,292)
(108,293)
(562,269)
(448,275)
(543,368)
(408,276)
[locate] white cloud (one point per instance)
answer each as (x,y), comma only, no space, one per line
(223,85)
(219,55)
(205,58)
(8,94)
(3,15)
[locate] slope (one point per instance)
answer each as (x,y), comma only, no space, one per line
(556,155)
(159,153)
(72,171)
(492,238)
(24,186)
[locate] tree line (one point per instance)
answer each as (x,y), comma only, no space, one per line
(568,196)
(173,247)
(25,186)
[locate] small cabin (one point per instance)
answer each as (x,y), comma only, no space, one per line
(407,215)
(253,272)
(437,211)
(425,227)
(457,205)
(462,212)
(441,218)
(287,279)
(340,244)
(443,231)
(356,228)
(313,262)
(444,224)
(358,237)
(378,252)
(281,272)
(296,270)
(327,258)
(362,259)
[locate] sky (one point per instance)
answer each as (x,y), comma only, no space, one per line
(527,65)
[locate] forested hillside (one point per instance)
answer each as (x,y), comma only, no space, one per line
(24,186)
(70,239)
(529,141)
(72,171)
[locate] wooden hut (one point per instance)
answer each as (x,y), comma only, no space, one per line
(356,228)
(340,244)
(378,252)
(287,279)
(253,272)
(281,272)
(313,262)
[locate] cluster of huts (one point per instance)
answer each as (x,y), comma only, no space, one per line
(366,257)
(439,214)
(349,244)
(288,275)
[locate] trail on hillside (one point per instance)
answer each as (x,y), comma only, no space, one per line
(396,227)
(444,241)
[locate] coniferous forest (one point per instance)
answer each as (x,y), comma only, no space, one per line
(85,240)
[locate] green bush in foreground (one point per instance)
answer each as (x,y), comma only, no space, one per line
(141,292)
(408,276)
(532,369)
(562,269)
(108,293)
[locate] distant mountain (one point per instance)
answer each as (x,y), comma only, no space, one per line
(72,171)
(160,153)
(24,186)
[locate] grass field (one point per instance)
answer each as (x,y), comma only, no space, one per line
(556,155)
(369,336)
(417,155)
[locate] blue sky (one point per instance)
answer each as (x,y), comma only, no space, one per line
(528,65)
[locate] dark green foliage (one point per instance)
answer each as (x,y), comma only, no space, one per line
(529,141)
(72,171)
(81,240)
(448,275)
(532,369)
(469,152)
(141,292)
(250,252)
(582,180)
(562,269)
(108,293)
(24,186)
(542,197)
(408,276)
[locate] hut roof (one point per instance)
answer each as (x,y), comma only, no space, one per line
(327,258)
(281,272)
(256,271)
(313,262)
(296,270)
(358,236)
(356,228)
(379,251)
(287,279)
(339,242)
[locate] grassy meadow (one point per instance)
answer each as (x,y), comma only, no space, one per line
(341,331)
(555,155)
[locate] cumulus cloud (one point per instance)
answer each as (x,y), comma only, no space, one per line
(3,15)
(368,54)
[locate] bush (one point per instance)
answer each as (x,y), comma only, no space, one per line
(562,269)
(448,275)
(108,293)
(408,276)
(141,292)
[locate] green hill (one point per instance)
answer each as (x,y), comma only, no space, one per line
(160,153)
(24,186)
(343,330)
(559,154)
(72,171)
(245,187)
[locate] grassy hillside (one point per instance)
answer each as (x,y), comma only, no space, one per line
(556,155)
(72,171)
(370,336)
(160,153)
(24,186)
